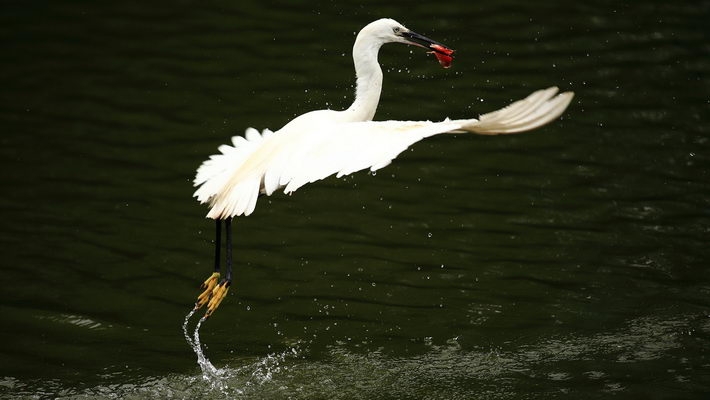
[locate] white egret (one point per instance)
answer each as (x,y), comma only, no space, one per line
(321,143)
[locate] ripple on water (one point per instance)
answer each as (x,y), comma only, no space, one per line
(563,365)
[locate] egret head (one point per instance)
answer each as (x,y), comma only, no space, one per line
(387,30)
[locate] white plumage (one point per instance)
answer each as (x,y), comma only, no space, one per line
(321,143)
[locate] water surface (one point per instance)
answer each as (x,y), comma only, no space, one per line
(571,261)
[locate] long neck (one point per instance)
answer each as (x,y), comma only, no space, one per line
(369,80)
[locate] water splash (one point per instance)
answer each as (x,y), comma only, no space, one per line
(271,364)
(210,373)
(239,380)
(184,328)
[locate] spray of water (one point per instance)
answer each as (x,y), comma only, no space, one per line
(259,372)
(184,328)
(209,372)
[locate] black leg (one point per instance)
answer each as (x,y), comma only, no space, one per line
(211,283)
(228,223)
(219,291)
(217,243)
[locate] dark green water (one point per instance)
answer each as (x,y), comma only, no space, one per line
(571,262)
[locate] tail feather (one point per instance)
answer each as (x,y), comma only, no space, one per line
(214,173)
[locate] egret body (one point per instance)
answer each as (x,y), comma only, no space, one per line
(321,143)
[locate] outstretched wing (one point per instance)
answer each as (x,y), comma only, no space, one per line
(360,145)
(232,181)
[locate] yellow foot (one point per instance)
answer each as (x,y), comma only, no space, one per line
(208,287)
(218,294)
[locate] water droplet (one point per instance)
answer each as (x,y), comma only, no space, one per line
(428,234)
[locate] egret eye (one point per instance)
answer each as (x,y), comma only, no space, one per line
(396,30)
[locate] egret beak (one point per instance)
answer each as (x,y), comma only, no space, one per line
(442,53)
(420,40)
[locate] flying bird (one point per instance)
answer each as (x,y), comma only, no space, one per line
(321,143)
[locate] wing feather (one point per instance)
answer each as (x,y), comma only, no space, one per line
(539,108)
(262,163)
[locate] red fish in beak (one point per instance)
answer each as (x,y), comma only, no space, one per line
(443,54)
